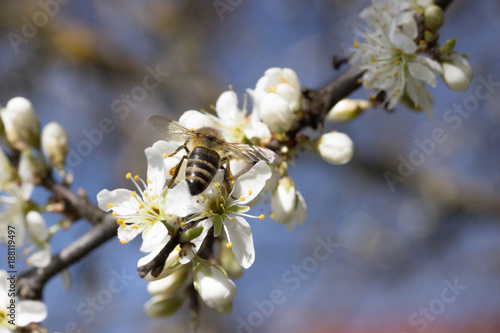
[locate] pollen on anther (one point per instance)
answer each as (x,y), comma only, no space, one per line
(233,182)
(249,192)
(221,205)
(261,217)
(271,215)
(135,226)
(217,184)
(231,218)
(355,44)
(117,191)
(114,214)
(110,205)
(242,198)
(183,223)
(164,154)
(136,177)
(229,245)
(123,242)
(149,181)
(128,175)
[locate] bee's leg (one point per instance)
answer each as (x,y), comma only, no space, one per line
(184,146)
(176,171)
(178,167)
(227,173)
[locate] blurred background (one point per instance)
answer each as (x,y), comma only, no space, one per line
(422,256)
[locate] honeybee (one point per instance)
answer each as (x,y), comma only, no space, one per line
(207,152)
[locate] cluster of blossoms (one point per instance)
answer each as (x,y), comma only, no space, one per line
(21,164)
(207,234)
(398,53)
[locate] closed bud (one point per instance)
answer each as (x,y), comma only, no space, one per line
(287,204)
(457,73)
(22,126)
(448,46)
(191,234)
(55,144)
(347,109)
(433,17)
(161,306)
(168,285)
(213,285)
(335,147)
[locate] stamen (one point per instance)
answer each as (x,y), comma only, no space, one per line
(242,198)
(261,216)
(128,175)
(229,245)
(122,241)
(110,205)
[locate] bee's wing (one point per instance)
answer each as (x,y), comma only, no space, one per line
(170,128)
(253,153)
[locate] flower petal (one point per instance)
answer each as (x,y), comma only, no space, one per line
(30,312)
(422,73)
(227,106)
(191,251)
(119,200)
(154,236)
(251,183)
(239,234)
(195,120)
(180,202)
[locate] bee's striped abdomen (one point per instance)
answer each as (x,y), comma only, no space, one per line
(202,166)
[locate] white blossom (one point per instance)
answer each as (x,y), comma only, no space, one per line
(388,55)
(225,209)
(144,211)
(234,123)
(276,98)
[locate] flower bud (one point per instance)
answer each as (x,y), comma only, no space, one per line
(191,234)
(448,46)
(161,306)
(168,285)
(213,285)
(55,144)
(434,18)
(287,204)
(22,126)
(335,147)
(347,109)
(457,73)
